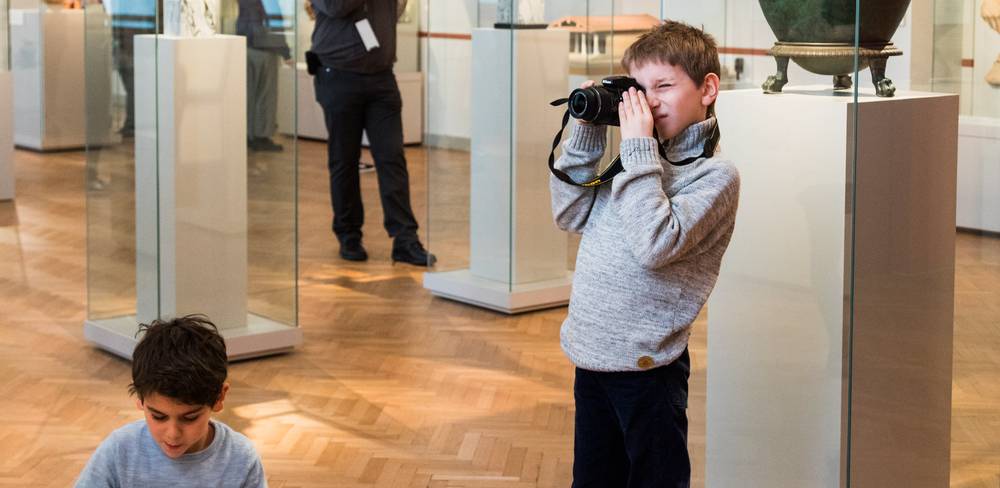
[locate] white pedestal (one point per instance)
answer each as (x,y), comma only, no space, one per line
(47,60)
(6,138)
(191,192)
(785,389)
(311,123)
(979,174)
(513,241)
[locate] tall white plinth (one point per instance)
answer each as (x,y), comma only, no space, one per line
(51,95)
(191,193)
(806,387)
(6,138)
(517,255)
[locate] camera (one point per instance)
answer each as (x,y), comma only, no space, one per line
(598,104)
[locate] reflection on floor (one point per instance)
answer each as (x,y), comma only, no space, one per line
(392,387)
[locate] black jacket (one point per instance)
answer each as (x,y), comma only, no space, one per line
(336,41)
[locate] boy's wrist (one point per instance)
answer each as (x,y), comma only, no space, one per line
(589,137)
(638,151)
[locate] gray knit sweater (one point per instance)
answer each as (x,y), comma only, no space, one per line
(652,244)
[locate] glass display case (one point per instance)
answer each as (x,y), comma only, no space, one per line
(48,70)
(965,44)
(6,108)
(191,202)
(818,113)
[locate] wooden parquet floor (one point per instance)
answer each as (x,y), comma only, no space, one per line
(392,387)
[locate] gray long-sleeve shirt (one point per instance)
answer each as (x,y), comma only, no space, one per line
(129,457)
(336,41)
(652,244)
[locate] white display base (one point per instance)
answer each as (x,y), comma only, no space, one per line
(47,60)
(978,174)
(311,123)
(465,287)
(785,388)
(6,138)
(259,337)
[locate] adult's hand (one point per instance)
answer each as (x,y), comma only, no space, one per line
(309,9)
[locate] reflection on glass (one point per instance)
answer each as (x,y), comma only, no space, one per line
(966,45)
(162,168)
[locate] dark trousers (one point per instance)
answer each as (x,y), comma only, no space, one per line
(123,51)
(353,102)
(631,428)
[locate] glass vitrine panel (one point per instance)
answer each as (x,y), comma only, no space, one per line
(191,174)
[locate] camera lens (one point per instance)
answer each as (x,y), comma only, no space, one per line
(583,104)
(595,104)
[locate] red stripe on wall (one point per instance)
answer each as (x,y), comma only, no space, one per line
(968,63)
(444,35)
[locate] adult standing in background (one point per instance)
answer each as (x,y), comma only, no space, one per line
(129,18)
(354,42)
(263,49)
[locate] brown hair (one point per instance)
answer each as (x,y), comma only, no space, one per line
(677,44)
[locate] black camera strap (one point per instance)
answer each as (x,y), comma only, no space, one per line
(604,177)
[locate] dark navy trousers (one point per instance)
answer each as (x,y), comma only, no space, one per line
(631,428)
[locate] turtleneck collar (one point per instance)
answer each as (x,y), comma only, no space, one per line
(691,142)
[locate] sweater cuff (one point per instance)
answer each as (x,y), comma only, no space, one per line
(589,138)
(639,151)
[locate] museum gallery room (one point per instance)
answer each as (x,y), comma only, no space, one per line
(366,199)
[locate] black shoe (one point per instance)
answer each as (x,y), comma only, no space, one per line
(412,252)
(265,144)
(352,250)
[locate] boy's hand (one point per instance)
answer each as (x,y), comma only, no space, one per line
(635,116)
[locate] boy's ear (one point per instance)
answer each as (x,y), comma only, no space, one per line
(138,403)
(222,398)
(709,89)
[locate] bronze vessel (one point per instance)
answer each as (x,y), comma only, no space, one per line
(819,35)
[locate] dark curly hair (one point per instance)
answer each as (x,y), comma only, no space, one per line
(183,359)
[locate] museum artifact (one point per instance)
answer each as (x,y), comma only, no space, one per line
(597,42)
(190,18)
(529,14)
(991,14)
(819,36)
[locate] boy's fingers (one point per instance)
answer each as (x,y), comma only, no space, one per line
(643,104)
(630,102)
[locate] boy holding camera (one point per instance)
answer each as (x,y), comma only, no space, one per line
(653,240)
(179,378)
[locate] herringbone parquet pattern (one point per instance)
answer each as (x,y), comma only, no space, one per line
(392,388)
